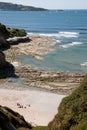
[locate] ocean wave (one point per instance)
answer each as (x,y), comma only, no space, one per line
(84,64)
(49,34)
(68,34)
(59,34)
(45,34)
(71,44)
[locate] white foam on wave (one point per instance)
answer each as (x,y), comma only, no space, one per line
(68,34)
(59,34)
(71,44)
(49,34)
(45,34)
(84,64)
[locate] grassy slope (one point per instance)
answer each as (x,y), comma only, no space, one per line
(72,113)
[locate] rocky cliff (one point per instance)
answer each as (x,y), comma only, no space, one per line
(6,40)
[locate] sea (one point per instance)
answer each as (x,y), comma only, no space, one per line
(67,27)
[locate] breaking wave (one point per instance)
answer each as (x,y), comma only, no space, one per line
(59,34)
(84,64)
(68,34)
(71,44)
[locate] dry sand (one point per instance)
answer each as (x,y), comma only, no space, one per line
(39,107)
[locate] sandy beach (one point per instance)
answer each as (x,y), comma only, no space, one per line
(37,107)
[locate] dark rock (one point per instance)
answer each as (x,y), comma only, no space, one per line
(6,69)
(3,31)
(2,60)
(16,40)
(10,120)
(3,43)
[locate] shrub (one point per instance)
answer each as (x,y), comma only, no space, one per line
(72,111)
(16,32)
(39,128)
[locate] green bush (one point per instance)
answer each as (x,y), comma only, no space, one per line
(39,128)
(16,32)
(11,32)
(81,126)
(72,111)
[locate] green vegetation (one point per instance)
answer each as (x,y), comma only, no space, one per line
(16,32)
(72,112)
(39,128)
(11,32)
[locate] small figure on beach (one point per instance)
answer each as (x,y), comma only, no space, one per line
(19,105)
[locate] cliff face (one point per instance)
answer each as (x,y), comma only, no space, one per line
(6,69)
(72,113)
(10,120)
(16,7)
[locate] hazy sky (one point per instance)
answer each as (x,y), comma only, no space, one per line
(53,4)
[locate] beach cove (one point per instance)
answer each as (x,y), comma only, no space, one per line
(46,65)
(39,94)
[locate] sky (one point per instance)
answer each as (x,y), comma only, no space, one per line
(52,4)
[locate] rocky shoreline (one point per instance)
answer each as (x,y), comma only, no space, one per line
(33,45)
(58,82)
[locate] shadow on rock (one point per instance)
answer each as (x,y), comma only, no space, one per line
(7,71)
(17,40)
(4,45)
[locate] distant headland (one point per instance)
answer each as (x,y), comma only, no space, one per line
(4,6)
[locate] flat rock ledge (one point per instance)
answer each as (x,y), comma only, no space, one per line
(35,46)
(57,82)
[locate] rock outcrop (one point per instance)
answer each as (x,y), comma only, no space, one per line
(6,40)
(10,120)
(2,60)
(17,40)
(3,31)
(3,43)
(10,36)
(6,69)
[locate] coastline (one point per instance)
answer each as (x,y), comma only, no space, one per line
(36,104)
(57,82)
